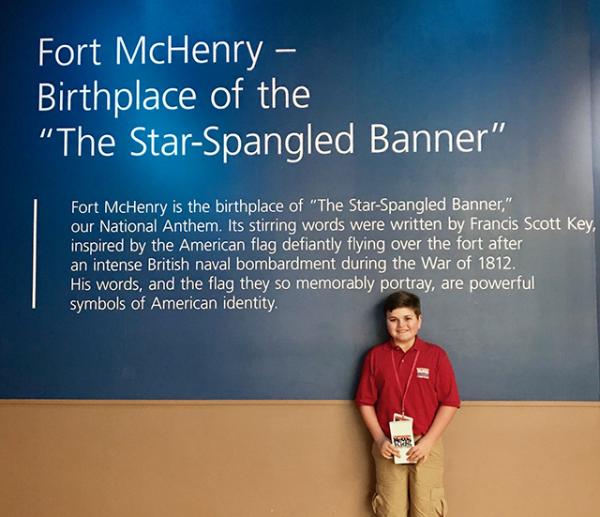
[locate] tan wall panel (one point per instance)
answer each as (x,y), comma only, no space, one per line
(293,459)
(532,460)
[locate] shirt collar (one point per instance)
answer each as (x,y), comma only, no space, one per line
(417,345)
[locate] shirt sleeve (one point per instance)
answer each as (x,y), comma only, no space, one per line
(366,393)
(446,388)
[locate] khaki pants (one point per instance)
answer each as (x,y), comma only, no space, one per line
(410,490)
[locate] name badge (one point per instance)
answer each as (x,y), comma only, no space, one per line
(401,431)
(423,373)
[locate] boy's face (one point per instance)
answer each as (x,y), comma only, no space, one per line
(403,325)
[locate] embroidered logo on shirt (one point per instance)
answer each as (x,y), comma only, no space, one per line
(423,373)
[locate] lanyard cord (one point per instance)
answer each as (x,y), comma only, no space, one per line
(410,376)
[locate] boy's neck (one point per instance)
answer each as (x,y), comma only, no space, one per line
(405,347)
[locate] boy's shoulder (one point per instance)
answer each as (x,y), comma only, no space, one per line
(430,352)
(420,344)
(380,349)
(430,347)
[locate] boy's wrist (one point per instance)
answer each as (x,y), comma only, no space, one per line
(381,441)
(427,439)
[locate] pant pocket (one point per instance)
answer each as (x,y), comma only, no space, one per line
(438,501)
(375,502)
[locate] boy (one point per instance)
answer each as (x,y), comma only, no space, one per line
(409,376)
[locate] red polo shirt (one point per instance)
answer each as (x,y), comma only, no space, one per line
(432,384)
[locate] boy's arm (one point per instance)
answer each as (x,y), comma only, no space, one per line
(442,418)
(385,447)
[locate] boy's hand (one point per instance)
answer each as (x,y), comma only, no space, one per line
(420,451)
(386,449)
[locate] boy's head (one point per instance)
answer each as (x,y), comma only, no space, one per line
(401,299)
(403,318)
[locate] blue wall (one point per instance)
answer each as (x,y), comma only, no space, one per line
(409,65)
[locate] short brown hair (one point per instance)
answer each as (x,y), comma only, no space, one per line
(400,299)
